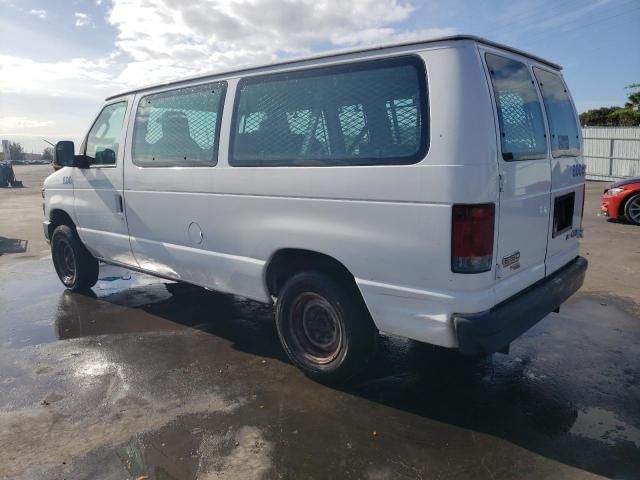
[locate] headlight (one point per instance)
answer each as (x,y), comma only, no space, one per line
(615,191)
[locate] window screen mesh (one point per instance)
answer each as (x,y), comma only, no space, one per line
(178,128)
(202,126)
(519,111)
(514,118)
(340,115)
(353,127)
(404,116)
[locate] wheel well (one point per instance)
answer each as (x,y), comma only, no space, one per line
(57,218)
(623,205)
(287,262)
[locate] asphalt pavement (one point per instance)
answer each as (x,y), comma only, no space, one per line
(144,378)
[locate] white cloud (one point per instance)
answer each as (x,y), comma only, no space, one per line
(38,13)
(169,38)
(381,35)
(82,19)
(22,123)
(525,16)
(157,40)
(163,39)
(570,16)
(22,75)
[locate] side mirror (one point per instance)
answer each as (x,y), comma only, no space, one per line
(64,154)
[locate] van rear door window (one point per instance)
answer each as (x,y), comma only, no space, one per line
(522,132)
(179,128)
(565,139)
(364,113)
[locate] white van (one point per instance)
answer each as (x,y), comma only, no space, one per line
(432,190)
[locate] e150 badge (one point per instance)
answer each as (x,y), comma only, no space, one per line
(511,261)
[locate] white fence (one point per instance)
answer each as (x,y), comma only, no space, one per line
(611,153)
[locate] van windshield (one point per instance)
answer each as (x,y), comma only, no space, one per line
(522,132)
(565,139)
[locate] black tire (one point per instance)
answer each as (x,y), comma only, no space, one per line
(325,327)
(75,266)
(632,210)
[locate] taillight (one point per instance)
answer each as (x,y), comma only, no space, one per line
(472,238)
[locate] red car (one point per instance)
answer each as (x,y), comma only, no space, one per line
(621,200)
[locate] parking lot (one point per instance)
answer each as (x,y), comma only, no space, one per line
(149,379)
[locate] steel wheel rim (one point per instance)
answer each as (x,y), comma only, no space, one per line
(634,209)
(314,328)
(65,262)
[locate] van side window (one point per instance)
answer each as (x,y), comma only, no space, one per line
(103,140)
(522,131)
(179,128)
(364,113)
(565,140)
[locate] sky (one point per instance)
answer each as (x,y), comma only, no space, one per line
(59,59)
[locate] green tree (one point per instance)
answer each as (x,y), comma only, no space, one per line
(627,116)
(634,97)
(47,154)
(597,116)
(16,151)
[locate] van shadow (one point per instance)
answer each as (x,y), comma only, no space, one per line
(623,223)
(493,395)
(13,245)
(170,307)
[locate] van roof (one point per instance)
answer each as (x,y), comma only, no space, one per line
(338,53)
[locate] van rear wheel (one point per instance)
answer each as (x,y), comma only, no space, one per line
(324,327)
(75,266)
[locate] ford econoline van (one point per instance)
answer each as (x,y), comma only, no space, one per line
(432,190)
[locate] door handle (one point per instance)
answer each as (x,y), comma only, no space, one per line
(119,205)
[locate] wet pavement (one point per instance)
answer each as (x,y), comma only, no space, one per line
(148,378)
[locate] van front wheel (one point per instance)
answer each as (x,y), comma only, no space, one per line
(75,266)
(325,327)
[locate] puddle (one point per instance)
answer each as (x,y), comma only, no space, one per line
(131,369)
(602,425)
(46,312)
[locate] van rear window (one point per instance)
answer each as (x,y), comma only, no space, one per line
(522,132)
(565,140)
(366,113)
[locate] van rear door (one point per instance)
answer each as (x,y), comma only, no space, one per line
(524,169)
(567,169)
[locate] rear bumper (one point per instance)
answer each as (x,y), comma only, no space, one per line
(490,331)
(45,228)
